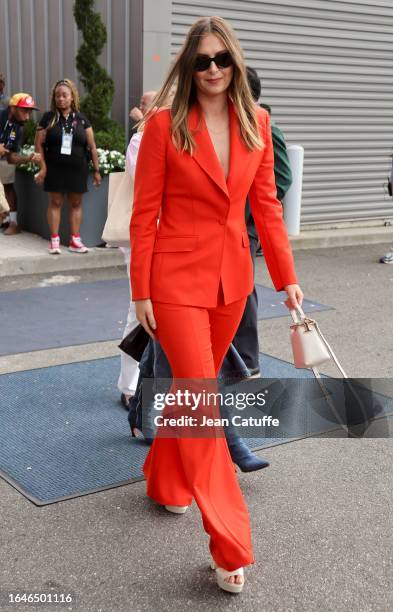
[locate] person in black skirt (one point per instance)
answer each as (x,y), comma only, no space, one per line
(64,138)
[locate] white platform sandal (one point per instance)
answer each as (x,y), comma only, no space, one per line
(177,509)
(222,574)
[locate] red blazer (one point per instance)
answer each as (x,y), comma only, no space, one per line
(201,234)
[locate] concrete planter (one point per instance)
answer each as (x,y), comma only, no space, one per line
(33,204)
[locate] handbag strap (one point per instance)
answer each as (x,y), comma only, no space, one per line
(299,318)
(328,399)
(330,350)
(332,407)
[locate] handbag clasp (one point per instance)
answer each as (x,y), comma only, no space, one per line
(308,323)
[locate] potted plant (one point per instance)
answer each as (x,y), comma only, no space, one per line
(33,201)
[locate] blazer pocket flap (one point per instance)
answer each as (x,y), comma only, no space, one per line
(245,239)
(175,244)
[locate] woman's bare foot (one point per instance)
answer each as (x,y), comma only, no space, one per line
(235,580)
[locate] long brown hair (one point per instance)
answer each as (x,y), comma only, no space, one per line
(180,79)
(75,104)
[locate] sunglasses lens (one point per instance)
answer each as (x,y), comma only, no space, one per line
(222,60)
(202,63)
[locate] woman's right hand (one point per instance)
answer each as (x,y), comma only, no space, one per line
(3,150)
(40,177)
(145,315)
(35,158)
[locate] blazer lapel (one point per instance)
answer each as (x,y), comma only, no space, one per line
(240,155)
(204,153)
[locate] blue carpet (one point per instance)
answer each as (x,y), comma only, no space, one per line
(80,313)
(65,434)
(271,304)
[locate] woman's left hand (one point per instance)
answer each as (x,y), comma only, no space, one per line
(97,179)
(295,296)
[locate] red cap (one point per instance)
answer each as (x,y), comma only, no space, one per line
(23,100)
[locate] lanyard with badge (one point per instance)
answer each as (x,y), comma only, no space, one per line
(66,138)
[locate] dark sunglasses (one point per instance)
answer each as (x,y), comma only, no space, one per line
(221,60)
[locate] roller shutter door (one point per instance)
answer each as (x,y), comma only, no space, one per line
(327,71)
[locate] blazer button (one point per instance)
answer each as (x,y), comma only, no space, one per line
(222,221)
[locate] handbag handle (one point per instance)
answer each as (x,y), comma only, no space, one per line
(297,315)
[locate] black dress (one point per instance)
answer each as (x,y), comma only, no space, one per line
(66,173)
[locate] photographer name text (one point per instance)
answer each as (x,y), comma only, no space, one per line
(237,421)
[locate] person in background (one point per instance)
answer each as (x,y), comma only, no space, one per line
(129,371)
(282,167)
(4,206)
(388,257)
(246,338)
(12,120)
(4,100)
(64,137)
(137,113)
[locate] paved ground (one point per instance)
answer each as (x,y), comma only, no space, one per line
(321,514)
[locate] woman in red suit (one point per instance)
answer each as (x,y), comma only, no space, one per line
(191,269)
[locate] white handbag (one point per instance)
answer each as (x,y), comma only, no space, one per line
(120,200)
(309,346)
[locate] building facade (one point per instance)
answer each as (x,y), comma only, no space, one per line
(325,67)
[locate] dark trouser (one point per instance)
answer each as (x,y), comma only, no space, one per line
(246,339)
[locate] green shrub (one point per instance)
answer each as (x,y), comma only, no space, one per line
(97,103)
(29,132)
(113,139)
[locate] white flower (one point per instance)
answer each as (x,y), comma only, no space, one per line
(109,161)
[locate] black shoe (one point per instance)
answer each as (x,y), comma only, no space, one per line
(243,457)
(135,419)
(105,245)
(254,372)
(125,401)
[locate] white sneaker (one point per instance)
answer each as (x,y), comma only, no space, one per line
(76,245)
(387,258)
(54,246)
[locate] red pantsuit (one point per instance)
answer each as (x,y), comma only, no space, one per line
(180,469)
(195,266)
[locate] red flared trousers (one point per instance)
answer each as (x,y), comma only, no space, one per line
(178,470)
